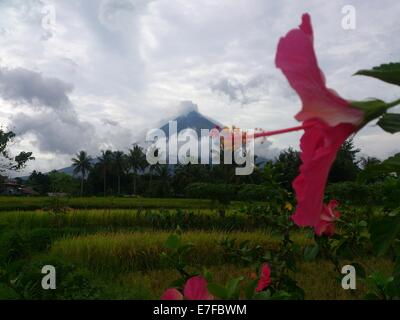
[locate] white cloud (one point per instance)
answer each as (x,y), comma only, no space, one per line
(132,62)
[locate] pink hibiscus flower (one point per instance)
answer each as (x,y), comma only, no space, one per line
(319,146)
(265,278)
(328,120)
(326,224)
(195,289)
(296,58)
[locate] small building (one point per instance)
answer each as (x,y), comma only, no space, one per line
(13,188)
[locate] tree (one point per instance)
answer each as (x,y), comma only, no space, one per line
(39,182)
(62,182)
(367,162)
(137,161)
(345,167)
(119,164)
(153,167)
(287,167)
(105,161)
(7,162)
(82,164)
(163,186)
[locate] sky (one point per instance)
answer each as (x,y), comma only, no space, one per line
(97,74)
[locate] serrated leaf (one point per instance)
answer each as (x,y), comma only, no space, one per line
(390,122)
(389,73)
(383,232)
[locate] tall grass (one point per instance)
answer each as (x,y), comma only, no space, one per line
(126,252)
(117,219)
(33,203)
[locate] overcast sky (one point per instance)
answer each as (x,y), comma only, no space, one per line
(106,71)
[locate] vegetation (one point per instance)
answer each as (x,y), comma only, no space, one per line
(108,244)
(7,162)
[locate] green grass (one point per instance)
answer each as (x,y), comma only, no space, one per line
(318,279)
(132,219)
(118,242)
(33,203)
(127,252)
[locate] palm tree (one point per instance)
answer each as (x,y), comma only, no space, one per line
(163,175)
(137,161)
(82,164)
(153,167)
(119,164)
(105,161)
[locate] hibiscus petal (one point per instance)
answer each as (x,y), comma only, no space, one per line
(172,294)
(196,289)
(326,225)
(319,146)
(265,278)
(297,60)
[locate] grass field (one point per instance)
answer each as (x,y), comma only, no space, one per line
(113,248)
(34,203)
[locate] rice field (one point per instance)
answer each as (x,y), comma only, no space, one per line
(117,253)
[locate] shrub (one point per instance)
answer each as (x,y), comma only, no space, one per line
(71,282)
(13,246)
(223,193)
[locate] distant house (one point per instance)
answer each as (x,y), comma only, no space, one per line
(57,194)
(13,188)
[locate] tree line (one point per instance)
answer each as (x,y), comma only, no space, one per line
(118,173)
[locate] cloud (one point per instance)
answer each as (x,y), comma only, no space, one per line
(118,14)
(245,92)
(54,134)
(186,107)
(232,89)
(109,122)
(132,62)
(25,86)
(47,111)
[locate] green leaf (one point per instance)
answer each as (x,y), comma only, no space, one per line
(311,252)
(263,295)
(373,108)
(250,289)
(173,242)
(217,290)
(390,122)
(207,274)
(179,283)
(233,288)
(383,232)
(386,72)
(281,295)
